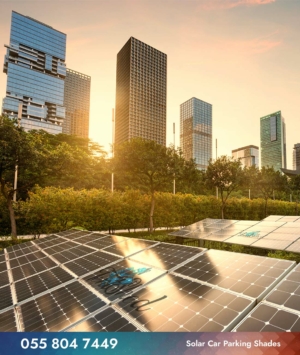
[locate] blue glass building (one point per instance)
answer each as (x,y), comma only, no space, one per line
(196,131)
(35,68)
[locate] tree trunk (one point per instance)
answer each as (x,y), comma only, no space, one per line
(8,197)
(12,218)
(151,212)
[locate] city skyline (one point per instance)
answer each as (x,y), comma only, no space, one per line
(241,56)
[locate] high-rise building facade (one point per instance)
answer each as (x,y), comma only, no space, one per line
(196,131)
(35,68)
(273,141)
(296,157)
(77,104)
(248,155)
(141,93)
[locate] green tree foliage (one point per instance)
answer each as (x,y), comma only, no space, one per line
(267,181)
(227,175)
(150,167)
(294,187)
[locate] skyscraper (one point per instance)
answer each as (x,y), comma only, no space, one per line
(296,157)
(35,68)
(141,93)
(272,141)
(77,103)
(196,131)
(248,155)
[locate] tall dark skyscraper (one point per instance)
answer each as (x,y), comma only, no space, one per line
(296,157)
(35,68)
(273,141)
(141,93)
(77,103)
(196,131)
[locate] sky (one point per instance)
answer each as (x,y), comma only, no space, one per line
(241,56)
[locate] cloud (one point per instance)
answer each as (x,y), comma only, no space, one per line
(229,4)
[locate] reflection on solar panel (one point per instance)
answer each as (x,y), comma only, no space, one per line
(122,278)
(249,275)
(106,242)
(42,282)
(108,320)
(166,256)
(267,318)
(8,321)
(91,262)
(173,303)
(59,309)
(287,293)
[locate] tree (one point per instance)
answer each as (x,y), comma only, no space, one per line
(267,181)
(148,166)
(294,187)
(227,175)
(16,149)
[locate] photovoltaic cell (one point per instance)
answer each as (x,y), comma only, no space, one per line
(268,318)
(122,278)
(250,275)
(76,235)
(89,238)
(108,320)
(8,321)
(73,254)
(59,309)
(106,242)
(60,247)
(28,258)
(268,243)
(91,262)
(3,267)
(129,247)
(166,256)
(30,269)
(4,278)
(5,297)
(42,282)
(173,303)
(51,242)
(20,252)
(294,247)
(287,293)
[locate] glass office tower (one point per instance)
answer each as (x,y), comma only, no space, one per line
(248,155)
(35,68)
(77,103)
(141,93)
(296,157)
(273,141)
(196,131)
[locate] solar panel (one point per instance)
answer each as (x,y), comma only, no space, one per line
(181,232)
(18,252)
(32,268)
(270,243)
(91,262)
(250,275)
(59,309)
(287,293)
(166,256)
(32,286)
(5,297)
(76,235)
(108,320)
(28,258)
(173,303)
(8,321)
(60,247)
(3,266)
(90,238)
(4,278)
(122,278)
(72,254)
(51,242)
(106,242)
(295,247)
(130,247)
(268,318)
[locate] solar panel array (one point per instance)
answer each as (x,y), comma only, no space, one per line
(274,232)
(86,281)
